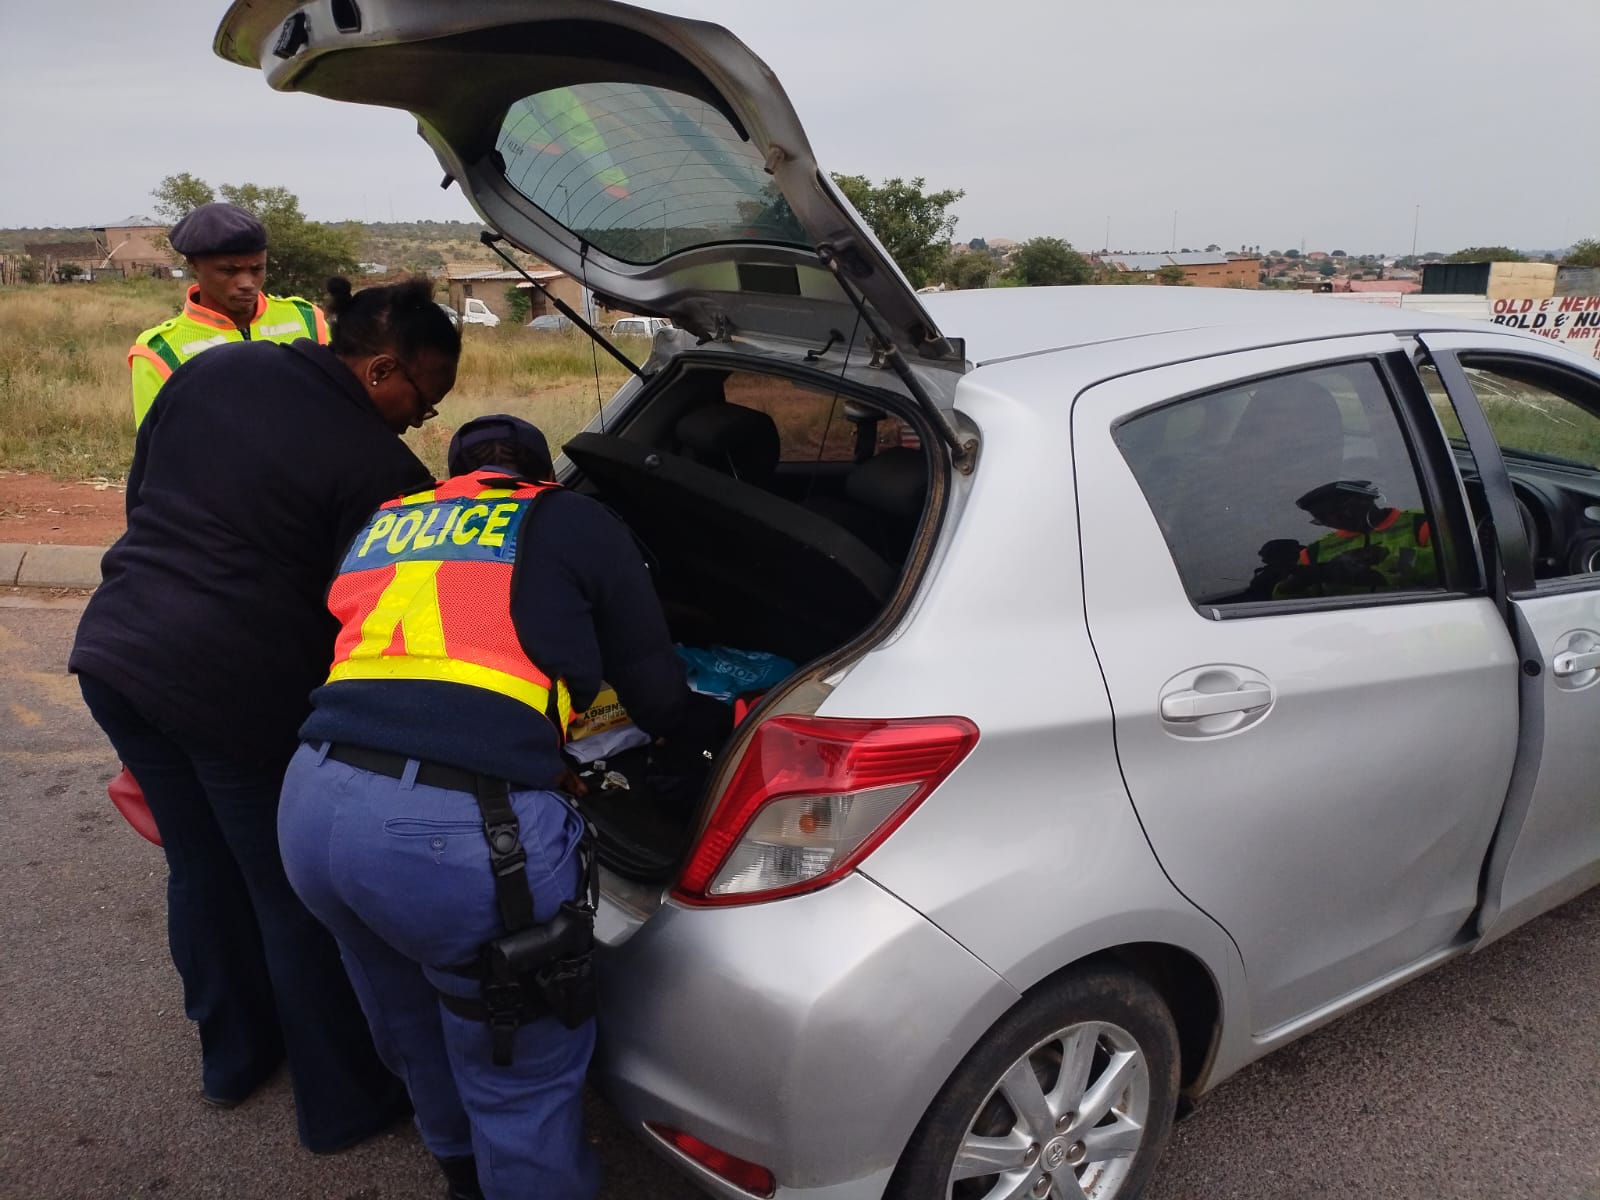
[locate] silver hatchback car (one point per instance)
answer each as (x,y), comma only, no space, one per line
(1170,671)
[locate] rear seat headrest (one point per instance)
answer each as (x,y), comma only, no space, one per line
(893,481)
(738,441)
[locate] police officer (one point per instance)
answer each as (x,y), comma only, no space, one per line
(198,652)
(226,250)
(421,819)
(1371,547)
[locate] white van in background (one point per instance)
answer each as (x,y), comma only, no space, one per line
(476,312)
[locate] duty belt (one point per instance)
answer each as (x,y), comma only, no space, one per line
(536,969)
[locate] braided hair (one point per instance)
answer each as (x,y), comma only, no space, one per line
(400,318)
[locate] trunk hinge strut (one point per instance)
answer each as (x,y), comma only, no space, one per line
(491,239)
(963,451)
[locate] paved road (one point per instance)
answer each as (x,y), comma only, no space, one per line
(1481,1080)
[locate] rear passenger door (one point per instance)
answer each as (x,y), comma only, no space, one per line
(1315,701)
(1532,422)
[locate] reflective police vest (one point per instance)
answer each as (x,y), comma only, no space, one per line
(1405,535)
(424,593)
(160,351)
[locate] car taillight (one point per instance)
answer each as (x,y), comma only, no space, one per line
(812,796)
(752,1177)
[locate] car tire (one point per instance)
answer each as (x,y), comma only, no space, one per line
(1009,1106)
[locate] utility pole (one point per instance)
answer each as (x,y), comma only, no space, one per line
(1173,248)
(1108,235)
(1416,219)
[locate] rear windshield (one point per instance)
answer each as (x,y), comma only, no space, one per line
(641,172)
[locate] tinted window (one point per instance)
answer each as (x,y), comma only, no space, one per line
(1284,488)
(641,172)
(811,425)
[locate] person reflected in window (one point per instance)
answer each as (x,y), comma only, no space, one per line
(1371,547)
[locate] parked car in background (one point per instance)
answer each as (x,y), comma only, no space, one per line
(455,317)
(551,323)
(1204,665)
(476,312)
(639,326)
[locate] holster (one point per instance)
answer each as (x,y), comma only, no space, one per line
(536,969)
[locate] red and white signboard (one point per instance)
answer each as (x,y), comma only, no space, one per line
(1574,321)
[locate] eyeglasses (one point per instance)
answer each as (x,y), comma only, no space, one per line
(429,408)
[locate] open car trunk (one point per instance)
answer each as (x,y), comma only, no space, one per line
(780,516)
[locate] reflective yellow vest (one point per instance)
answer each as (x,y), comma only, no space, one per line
(160,351)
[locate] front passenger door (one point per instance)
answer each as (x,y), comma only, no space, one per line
(1532,420)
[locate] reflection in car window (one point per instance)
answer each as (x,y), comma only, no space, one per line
(641,172)
(1294,486)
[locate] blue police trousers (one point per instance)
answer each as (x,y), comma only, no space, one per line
(260,974)
(399,871)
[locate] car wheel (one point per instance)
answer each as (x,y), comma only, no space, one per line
(1070,1095)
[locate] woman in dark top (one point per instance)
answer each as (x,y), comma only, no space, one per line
(196,655)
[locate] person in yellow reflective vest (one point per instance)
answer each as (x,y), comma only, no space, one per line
(226,251)
(1372,547)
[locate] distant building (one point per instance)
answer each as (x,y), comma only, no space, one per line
(1392,284)
(51,257)
(1201,268)
(489,285)
(1496,280)
(135,246)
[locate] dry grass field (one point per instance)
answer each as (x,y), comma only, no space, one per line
(65,408)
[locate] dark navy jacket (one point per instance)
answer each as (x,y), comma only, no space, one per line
(255,468)
(584,609)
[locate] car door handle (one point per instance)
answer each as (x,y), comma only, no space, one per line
(1191,705)
(1575,662)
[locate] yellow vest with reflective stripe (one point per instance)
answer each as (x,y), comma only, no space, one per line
(161,350)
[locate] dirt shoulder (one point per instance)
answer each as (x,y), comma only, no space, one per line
(37,510)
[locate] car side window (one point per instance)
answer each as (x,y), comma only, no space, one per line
(1290,487)
(1548,431)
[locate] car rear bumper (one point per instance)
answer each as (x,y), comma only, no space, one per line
(807,1035)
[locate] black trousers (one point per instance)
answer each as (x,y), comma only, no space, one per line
(261,976)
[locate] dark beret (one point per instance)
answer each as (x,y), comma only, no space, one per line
(218,228)
(530,444)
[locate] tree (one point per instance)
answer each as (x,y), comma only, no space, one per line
(301,254)
(179,195)
(519,303)
(1213,248)
(1047,262)
(1291,254)
(1171,275)
(1327,269)
(912,224)
(30,270)
(69,271)
(970,270)
(1487,254)
(1585,253)
(1338,254)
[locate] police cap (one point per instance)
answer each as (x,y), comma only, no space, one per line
(218,228)
(528,444)
(1341,491)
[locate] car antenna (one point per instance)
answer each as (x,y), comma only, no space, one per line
(490,239)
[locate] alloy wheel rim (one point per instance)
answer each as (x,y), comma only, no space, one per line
(1064,1122)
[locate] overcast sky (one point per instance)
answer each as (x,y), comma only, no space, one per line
(1255,121)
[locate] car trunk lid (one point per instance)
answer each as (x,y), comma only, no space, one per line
(655,158)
